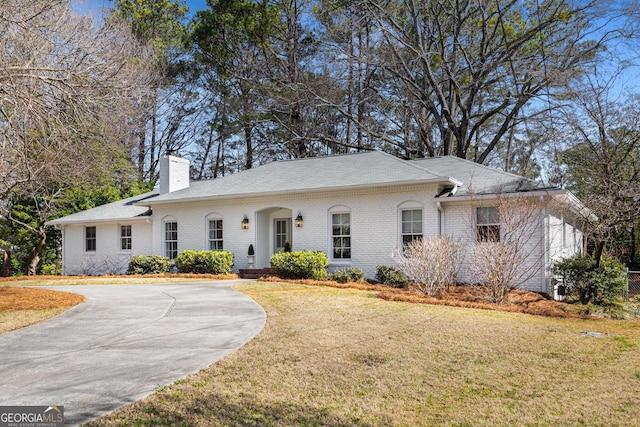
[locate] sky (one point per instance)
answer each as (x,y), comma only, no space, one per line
(94,7)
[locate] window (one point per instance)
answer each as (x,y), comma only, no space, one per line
(411,225)
(171,240)
(488,224)
(215,234)
(341,235)
(282,235)
(125,237)
(90,239)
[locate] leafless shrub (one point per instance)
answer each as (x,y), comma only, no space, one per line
(508,254)
(431,263)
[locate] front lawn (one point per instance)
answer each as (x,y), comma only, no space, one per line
(343,357)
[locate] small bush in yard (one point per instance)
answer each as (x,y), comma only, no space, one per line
(204,262)
(149,264)
(391,276)
(300,265)
(431,263)
(348,275)
(603,285)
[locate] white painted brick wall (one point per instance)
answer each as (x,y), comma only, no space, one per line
(107,258)
(374,224)
(375,229)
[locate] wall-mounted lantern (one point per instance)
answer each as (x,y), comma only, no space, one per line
(245,223)
(299,220)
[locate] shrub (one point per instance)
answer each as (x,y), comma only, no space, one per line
(300,265)
(204,262)
(50,270)
(391,276)
(603,285)
(431,263)
(348,275)
(149,264)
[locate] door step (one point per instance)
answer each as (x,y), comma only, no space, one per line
(255,273)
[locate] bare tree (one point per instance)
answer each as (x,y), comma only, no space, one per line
(602,158)
(509,244)
(466,67)
(67,90)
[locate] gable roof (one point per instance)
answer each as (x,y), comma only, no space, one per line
(478,179)
(359,170)
(125,209)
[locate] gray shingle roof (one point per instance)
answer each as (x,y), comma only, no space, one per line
(125,209)
(367,169)
(478,179)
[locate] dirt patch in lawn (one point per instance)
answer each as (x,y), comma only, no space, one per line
(469,296)
(20,307)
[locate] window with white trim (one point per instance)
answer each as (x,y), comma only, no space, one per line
(411,225)
(171,239)
(90,239)
(125,238)
(341,235)
(488,224)
(215,235)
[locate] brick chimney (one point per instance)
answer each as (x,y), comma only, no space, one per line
(174,173)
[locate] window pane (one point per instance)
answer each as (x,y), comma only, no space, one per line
(411,225)
(171,240)
(90,239)
(215,235)
(487,215)
(488,233)
(342,236)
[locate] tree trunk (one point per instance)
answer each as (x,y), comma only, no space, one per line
(249,144)
(34,257)
(597,254)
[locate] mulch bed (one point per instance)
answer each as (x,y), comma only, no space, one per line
(468,296)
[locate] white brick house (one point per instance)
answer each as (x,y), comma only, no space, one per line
(356,208)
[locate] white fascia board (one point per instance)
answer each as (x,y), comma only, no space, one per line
(101,220)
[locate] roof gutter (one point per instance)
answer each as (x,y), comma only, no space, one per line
(138,218)
(573,203)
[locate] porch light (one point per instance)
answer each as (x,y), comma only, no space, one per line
(299,220)
(245,223)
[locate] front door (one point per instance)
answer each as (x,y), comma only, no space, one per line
(282,233)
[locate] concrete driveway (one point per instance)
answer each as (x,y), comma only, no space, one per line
(123,343)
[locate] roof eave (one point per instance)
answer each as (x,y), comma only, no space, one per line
(487,196)
(137,218)
(438,180)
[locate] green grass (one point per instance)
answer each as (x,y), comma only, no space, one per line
(341,357)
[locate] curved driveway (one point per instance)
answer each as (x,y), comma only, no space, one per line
(123,343)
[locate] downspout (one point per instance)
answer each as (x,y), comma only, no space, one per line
(547,249)
(440,217)
(63,229)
